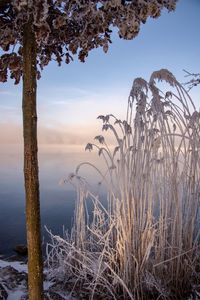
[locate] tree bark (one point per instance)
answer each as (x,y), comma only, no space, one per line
(31,173)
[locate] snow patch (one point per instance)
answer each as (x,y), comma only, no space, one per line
(19,266)
(17,294)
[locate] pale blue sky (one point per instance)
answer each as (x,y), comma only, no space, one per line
(72,96)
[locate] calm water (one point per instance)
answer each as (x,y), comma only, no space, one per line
(57,201)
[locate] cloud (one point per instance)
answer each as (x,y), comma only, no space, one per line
(66,116)
(7,93)
(10,133)
(71,135)
(73,110)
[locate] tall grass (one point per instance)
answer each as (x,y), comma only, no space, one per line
(144,244)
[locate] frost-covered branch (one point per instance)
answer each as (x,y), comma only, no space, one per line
(194,79)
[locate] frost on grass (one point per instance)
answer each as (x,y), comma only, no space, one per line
(144,243)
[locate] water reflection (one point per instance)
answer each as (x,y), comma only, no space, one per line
(57,201)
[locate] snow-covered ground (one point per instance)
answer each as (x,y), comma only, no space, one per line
(13,280)
(13,283)
(17,265)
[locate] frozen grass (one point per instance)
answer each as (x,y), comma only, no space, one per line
(144,244)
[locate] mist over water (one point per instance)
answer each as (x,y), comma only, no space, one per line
(57,201)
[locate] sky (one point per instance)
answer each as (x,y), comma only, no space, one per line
(72,96)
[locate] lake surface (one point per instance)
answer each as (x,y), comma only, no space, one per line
(57,201)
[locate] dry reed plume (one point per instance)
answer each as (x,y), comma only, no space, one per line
(144,243)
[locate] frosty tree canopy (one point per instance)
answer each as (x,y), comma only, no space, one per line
(63,28)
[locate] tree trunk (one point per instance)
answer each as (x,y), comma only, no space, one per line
(33,227)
